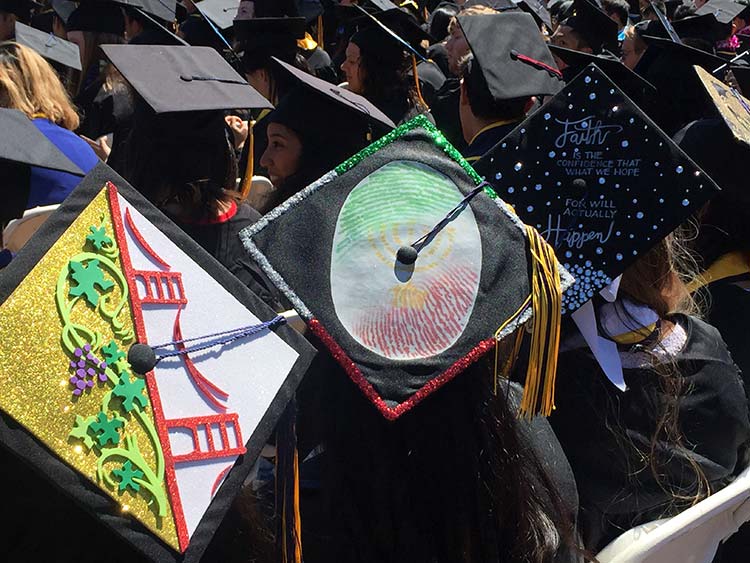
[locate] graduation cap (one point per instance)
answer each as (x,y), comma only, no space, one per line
(163,10)
(269,32)
(724,10)
(389,34)
(632,84)
(155,447)
(49,46)
(24,144)
(684,53)
(597,178)
(63,9)
(183,79)
(515,63)
(220,12)
(538,10)
(593,24)
(20,8)
(419,269)
(732,106)
(315,103)
(742,77)
(705,27)
(102,17)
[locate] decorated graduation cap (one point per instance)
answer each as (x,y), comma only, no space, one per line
(516,62)
(419,270)
(599,180)
(49,46)
(724,10)
(593,24)
(183,79)
(631,83)
(732,106)
(143,404)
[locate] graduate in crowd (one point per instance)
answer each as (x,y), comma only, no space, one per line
(300,144)
(29,84)
(180,152)
(497,88)
(12,11)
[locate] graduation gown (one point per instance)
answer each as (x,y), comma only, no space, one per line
(603,431)
(487,138)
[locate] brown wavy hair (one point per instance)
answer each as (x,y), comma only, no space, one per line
(28,83)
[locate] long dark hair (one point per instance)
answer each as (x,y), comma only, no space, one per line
(188,160)
(449,481)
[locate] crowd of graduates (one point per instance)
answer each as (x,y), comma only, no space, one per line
(288,90)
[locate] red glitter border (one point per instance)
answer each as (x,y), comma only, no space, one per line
(183,537)
(392,413)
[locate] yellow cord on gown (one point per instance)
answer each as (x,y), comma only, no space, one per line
(247,181)
(320,34)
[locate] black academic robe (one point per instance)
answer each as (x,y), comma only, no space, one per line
(729,313)
(603,431)
(221,239)
(487,138)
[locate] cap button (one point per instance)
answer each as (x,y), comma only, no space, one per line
(407,255)
(141,358)
(579,183)
(186,78)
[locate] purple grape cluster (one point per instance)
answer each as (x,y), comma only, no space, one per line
(87,369)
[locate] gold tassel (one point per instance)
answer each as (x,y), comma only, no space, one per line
(297,514)
(546,303)
(247,181)
(416,81)
(320,34)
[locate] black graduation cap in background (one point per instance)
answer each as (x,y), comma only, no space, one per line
(313,102)
(512,56)
(724,10)
(221,12)
(20,8)
(163,10)
(390,32)
(101,17)
(269,32)
(594,25)
(597,178)
(705,27)
(742,76)
(49,46)
(418,270)
(24,144)
(63,8)
(684,53)
(183,79)
(632,84)
(109,273)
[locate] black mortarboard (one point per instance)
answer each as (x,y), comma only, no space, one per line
(220,12)
(724,10)
(157,447)
(164,10)
(269,32)
(685,53)
(63,9)
(390,33)
(515,62)
(49,46)
(705,27)
(732,106)
(419,270)
(499,5)
(632,84)
(317,104)
(23,143)
(181,79)
(597,178)
(20,8)
(593,24)
(537,9)
(102,17)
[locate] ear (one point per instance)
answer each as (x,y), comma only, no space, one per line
(464,99)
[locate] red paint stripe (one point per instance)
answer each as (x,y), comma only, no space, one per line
(212,393)
(371,393)
(183,537)
(142,241)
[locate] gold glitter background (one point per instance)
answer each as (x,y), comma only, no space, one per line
(34,373)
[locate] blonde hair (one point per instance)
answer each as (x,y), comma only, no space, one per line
(28,83)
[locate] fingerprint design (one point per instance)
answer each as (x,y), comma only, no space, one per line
(397,311)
